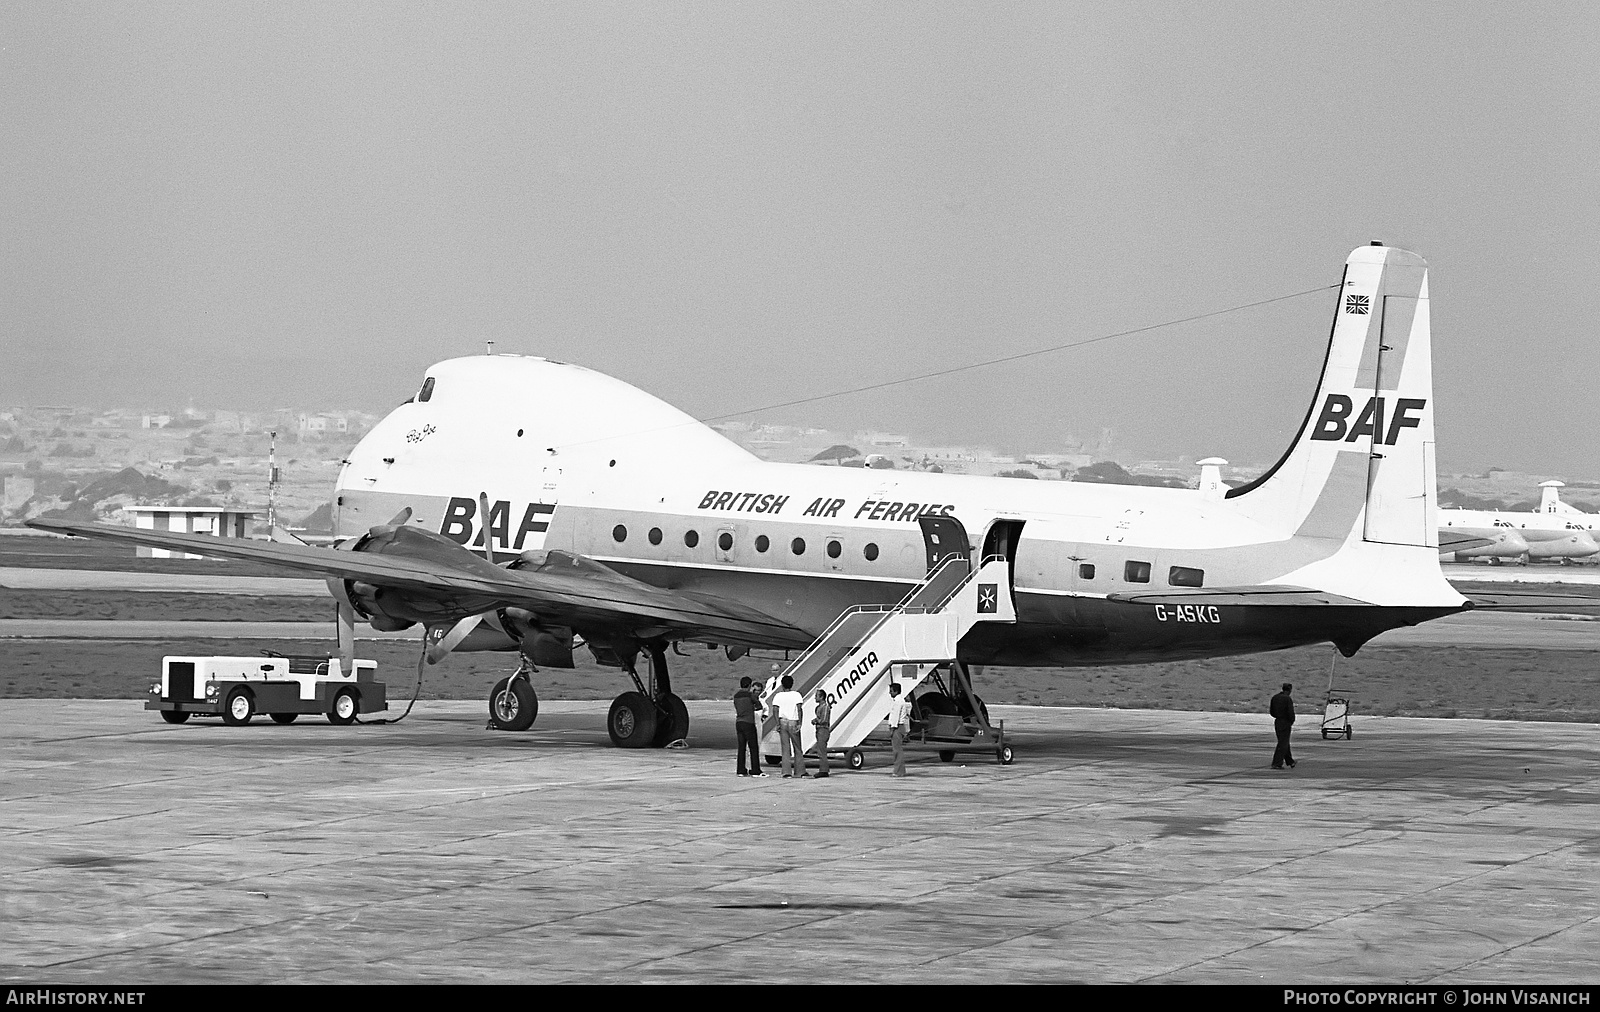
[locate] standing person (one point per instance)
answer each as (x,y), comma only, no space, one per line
(899,721)
(745,704)
(823,722)
(1282,710)
(786,704)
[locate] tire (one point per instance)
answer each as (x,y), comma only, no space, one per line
(284,718)
(672,721)
(855,759)
(513,705)
(936,704)
(1005,755)
(1348,732)
(238,707)
(345,708)
(632,721)
(772,760)
(947,756)
(175,716)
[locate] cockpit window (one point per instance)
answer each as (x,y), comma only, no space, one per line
(427,389)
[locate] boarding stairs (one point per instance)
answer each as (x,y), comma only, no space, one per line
(871,646)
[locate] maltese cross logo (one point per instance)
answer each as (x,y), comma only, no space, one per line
(988,599)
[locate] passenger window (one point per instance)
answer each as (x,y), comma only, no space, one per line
(871,552)
(762,543)
(655,535)
(1086,571)
(834,548)
(619,534)
(692,538)
(724,541)
(798,546)
(427,389)
(1136,572)
(1183,576)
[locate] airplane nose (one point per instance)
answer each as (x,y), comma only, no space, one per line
(1512,541)
(1584,545)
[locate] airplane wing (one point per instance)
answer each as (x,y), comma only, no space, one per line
(559,587)
(1451,540)
(1255,596)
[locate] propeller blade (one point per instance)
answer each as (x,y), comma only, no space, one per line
(402,518)
(488,535)
(346,623)
(283,537)
(438,641)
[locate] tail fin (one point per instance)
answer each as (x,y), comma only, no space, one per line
(1362,462)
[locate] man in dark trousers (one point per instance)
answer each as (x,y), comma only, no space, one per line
(745,704)
(823,722)
(1282,710)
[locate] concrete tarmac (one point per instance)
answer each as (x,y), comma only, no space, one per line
(1121,846)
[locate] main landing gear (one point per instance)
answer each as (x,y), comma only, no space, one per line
(651,716)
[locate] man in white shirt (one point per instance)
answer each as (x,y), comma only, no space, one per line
(899,721)
(786,704)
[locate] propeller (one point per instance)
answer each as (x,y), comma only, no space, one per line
(488,535)
(345,626)
(439,640)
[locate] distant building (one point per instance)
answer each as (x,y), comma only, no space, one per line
(217,521)
(318,425)
(155,421)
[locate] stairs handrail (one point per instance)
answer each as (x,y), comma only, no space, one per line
(886,609)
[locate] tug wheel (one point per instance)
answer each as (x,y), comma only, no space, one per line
(238,708)
(855,759)
(344,709)
(513,705)
(1004,754)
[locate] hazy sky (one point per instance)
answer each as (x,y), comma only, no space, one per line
(732,205)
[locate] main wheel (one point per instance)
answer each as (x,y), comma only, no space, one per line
(672,722)
(632,720)
(174,716)
(947,756)
(513,704)
(345,709)
(1348,732)
(855,758)
(284,718)
(238,707)
(1004,754)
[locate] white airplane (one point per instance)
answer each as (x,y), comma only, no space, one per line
(519,503)
(1553,531)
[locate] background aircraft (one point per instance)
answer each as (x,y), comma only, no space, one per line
(1554,531)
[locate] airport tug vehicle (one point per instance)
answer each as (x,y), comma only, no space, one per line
(238,688)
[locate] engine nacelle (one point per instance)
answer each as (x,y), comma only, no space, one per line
(378,606)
